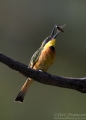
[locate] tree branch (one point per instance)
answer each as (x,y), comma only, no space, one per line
(78,84)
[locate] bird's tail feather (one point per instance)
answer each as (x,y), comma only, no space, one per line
(20,96)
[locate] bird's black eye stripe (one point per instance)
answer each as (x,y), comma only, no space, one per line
(46,40)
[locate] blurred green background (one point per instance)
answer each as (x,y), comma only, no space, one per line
(23,26)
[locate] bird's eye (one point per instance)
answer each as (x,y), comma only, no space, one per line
(46,40)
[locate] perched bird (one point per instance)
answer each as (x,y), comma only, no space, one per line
(42,59)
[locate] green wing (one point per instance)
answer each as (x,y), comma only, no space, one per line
(35,57)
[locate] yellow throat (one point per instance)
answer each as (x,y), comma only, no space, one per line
(50,43)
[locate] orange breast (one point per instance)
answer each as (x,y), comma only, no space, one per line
(45,60)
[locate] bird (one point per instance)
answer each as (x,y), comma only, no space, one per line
(42,59)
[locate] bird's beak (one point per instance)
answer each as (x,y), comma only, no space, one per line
(58,30)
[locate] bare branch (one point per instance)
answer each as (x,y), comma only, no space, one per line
(45,78)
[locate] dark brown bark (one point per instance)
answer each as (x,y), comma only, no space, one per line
(45,78)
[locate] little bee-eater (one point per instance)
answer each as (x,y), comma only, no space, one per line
(42,59)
